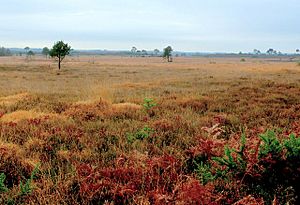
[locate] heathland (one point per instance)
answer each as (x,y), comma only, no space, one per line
(133,130)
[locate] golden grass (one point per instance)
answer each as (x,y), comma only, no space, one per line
(20,115)
(126,106)
(13,99)
(92,114)
(125,79)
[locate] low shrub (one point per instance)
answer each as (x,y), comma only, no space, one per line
(261,170)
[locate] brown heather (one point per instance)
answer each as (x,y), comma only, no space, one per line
(95,143)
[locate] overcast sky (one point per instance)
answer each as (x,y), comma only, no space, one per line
(187,25)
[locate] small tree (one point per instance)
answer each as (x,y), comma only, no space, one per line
(144,52)
(133,50)
(59,51)
(26,49)
(30,54)
(45,51)
(297,50)
(156,52)
(168,53)
(256,52)
(271,51)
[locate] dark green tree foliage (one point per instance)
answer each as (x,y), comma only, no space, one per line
(59,51)
(30,53)
(271,51)
(144,52)
(168,53)
(45,51)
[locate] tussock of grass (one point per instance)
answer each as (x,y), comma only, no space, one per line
(20,115)
(13,99)
(126,106)
(28,115)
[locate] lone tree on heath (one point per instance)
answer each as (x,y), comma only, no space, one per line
(133,50)
(45,51)
(30,54)
(26,49)
(168,53)
(59,51)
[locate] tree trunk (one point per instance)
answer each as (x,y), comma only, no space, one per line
(59,63)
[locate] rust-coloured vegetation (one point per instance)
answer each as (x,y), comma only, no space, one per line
(189,140)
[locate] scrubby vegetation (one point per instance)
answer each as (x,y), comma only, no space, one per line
(241,146)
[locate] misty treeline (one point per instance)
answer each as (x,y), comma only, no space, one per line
(5,52)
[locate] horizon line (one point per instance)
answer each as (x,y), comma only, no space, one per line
(151,50)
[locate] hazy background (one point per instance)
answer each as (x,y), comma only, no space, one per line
(189,25)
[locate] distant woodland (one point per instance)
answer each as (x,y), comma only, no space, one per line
(4,51)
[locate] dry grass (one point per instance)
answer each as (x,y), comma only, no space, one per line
(116,78)
(13,99)
(97,143)
(21,115)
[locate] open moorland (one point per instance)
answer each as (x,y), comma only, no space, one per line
(132,130)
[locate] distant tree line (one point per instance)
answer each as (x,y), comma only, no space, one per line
(270,51)
(166,54)
(5,52)
(135,52)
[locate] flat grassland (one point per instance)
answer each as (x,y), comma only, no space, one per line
(126,130)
